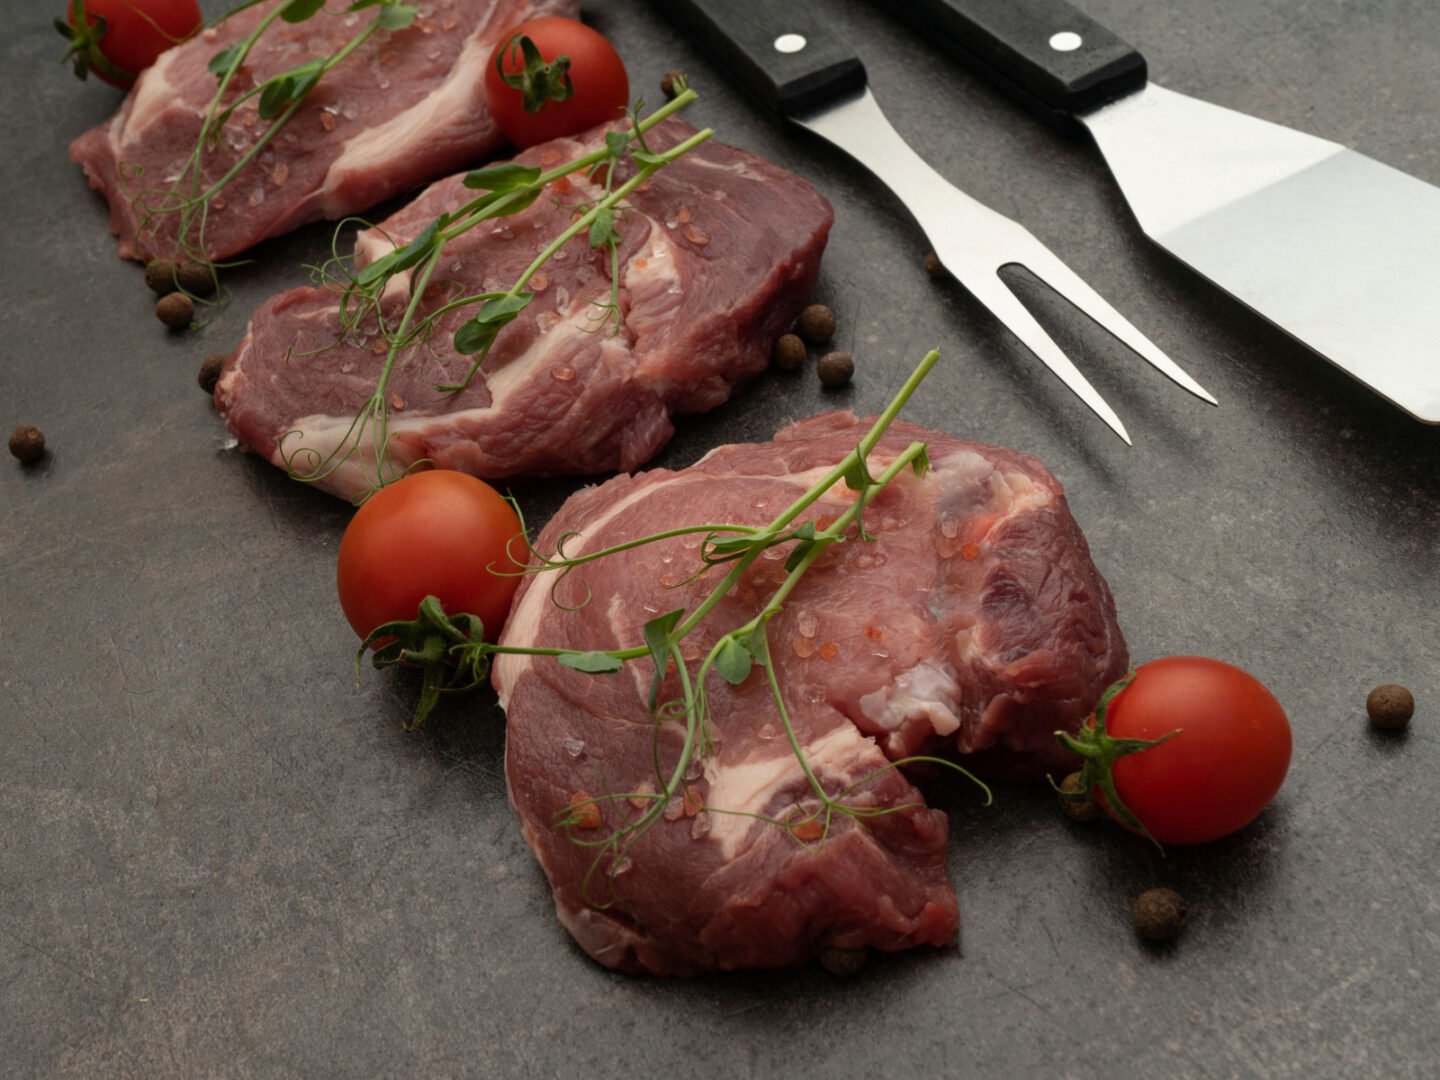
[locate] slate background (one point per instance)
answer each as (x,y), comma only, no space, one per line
(221,857)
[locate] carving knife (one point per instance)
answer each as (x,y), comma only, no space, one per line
(1334,248)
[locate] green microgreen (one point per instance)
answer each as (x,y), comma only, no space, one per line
(505,190)
(190,196)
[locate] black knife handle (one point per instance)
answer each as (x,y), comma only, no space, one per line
(781,52)
(1014,44)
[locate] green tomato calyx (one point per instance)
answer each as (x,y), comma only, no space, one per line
(1100,751)
(538,82)
(450,651)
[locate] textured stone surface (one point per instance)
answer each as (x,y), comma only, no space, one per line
(221,857)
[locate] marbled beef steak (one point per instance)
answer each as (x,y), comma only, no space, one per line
(719,252)
(975,625)
(404,108)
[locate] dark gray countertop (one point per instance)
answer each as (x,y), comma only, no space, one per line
(222,857)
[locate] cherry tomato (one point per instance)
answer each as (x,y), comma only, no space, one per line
(118,39)
(601,89)
(1223,767)
(431,533)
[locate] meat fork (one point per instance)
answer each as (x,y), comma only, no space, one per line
(784,56)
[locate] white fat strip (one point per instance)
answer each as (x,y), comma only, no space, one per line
(154,95)
(523,626)
(927,690)
(749,786)
(406,133)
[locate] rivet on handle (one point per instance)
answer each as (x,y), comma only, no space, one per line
(1065,41)
(789,43)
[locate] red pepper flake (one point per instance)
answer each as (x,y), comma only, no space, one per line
(874,633)
(381,347)
(561,185)
(584,813)
(813,829)
(970,551)
(828,650)
(683,216)
(539,283)
(327,120)
(694,802)
(397,402)
(698,237)
(640,263)
(449,23)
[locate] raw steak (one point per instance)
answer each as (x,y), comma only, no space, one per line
(975,624)
(404,108)
(720,251)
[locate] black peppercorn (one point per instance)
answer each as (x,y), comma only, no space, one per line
(1159,914)
(27,442)
(1390,706)
(816,324)
(835,369)
(1076,801)
(175,310)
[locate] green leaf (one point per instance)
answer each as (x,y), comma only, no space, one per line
(502,178)
(221,61)
(645,157)
(297,11)
(280,91)
(401,259)
(920,463)
(857,474)
(806,535)
(617,142)
(495,313)
(733,661)
(592,663)
(657,639)
(602,229)
(396,16)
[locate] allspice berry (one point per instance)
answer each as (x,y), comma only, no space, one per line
(210,371)
(196,278)
(836,368)
(1075,801)
(27,442)
(1159,914)
(816,324)
(843,963)
(160,276)
(672,83)
(1390,706)
(175,310)
(789,352)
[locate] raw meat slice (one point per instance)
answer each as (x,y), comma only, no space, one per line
(720,250)
(975,624)
(405,107)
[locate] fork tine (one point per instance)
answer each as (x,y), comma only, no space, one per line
(996,295)
(1046,265)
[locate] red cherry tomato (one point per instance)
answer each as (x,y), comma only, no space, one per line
(118,39)
(431,533)
(601,89)
(1225,765)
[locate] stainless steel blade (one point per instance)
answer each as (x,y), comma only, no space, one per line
(1334,248)
(974,242)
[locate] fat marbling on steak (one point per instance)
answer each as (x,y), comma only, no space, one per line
(975,625)
(405,107)
(719,252)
